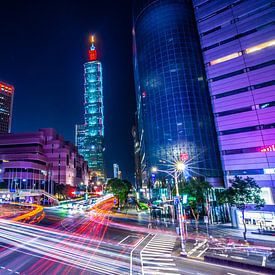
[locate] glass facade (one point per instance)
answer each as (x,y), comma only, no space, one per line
(238,45)
(173,103)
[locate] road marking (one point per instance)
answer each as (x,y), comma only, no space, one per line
(156,257)
(237,257)
(264,261)
(131,254)
(166,264)
(192,251)
(202,252)
(124,239)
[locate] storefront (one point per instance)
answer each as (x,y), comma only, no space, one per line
(256,219)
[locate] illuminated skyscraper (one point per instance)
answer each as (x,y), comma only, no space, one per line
(173,104)
(116,170)
(89,137)
(6,102)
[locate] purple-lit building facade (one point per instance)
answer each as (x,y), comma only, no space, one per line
(238,45)
(40,160)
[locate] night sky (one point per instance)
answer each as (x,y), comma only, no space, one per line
(43,47)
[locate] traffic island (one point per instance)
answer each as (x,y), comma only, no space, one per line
(247,265)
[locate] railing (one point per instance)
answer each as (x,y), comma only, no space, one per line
(31,192)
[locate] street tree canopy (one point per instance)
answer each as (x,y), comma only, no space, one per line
(196,191)
(119,188)
(241,193)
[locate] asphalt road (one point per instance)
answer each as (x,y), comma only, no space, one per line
(94,243)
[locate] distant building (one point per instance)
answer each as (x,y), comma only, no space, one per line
(90,136)
(116,170)
(138,175)
(80,134)
(238,46)
(6,104)
(40,160)
(119,174)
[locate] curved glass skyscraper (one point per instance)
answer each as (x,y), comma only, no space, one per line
(173,104)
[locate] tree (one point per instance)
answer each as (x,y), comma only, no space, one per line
(129,185)
(196,190)
(241,193)
(118,188)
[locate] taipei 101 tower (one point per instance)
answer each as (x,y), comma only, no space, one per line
(89,137)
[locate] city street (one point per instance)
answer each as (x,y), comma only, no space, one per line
(92,243)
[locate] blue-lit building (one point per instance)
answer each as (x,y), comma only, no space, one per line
(90,136)
(173,103)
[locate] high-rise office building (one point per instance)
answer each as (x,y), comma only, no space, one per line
(6,104)
(238,45)
(116,170)
(173,103)
(90,136)
(80,134)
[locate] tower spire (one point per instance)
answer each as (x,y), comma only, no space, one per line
(92,50)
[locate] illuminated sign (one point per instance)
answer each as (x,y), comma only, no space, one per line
(6,88)
(270,148)
(184,156)
(269,171)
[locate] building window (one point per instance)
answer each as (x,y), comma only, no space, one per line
(252,68)
(237,36)
(245,89)
(225,58)
(245,172)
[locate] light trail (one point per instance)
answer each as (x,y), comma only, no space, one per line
(69,252)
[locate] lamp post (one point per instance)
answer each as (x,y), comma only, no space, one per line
(179,168)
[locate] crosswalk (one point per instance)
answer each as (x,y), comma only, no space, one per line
(156,256)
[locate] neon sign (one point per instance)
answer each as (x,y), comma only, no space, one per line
(270,148)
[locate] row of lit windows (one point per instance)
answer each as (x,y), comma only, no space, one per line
(246,109)
(247,129)
(236,19)
(220,10)
(245,89)
(247,69)
(237,36)
(246,51)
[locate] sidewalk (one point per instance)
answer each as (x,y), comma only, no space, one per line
(227,231)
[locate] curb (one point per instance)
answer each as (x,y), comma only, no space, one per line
(227,262)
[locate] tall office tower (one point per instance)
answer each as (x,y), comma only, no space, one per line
(6,104)
(173,103)
(89,137)
(116,170)
(80,134)
(238,45)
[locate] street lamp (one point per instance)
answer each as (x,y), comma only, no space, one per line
(179,167)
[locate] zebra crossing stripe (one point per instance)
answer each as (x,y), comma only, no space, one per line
(156,257)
